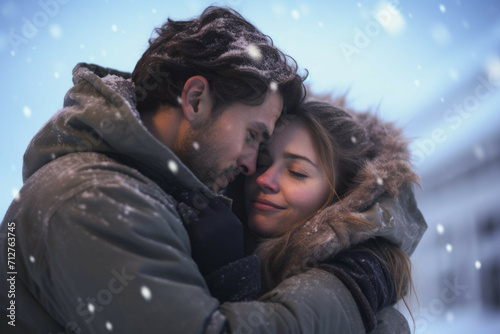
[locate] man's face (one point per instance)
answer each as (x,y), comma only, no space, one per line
(219,151)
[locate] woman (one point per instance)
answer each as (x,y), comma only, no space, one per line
(331,180)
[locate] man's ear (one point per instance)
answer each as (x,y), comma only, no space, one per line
(196,101)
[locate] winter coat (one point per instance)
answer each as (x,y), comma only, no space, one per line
(100,247)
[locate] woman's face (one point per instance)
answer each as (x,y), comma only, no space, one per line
(289,184)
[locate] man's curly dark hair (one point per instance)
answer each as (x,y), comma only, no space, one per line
(240,63)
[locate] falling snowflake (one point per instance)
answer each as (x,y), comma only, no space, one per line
(196,145)
(493,70)
(82,46)
(109,326)
(380,181)
(52,156)
(91,308)
(442,99)
(478,265)
(27,111)
(390,18)
(465,24)
(440,228)
(354,140)
(273,86)
(153,10)
(146,293)
(254,52)
(295,14)
(449,317)
(56,75)
(12,53)
(359,4)
(32,259)
(440,34)
(419,67)
(442,8)
(55,31)
(449,248)
(179,100)
(417,83)
(15,194)
(320,23)
(172,165)
(114,28)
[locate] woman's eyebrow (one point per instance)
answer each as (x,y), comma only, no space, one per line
(289,155)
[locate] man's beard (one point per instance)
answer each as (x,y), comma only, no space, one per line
(198,152)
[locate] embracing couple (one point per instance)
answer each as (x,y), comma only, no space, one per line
(203,194)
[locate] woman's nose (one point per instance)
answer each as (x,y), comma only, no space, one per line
(269,180)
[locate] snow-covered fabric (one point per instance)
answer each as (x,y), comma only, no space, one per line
(100,246)
(368,280)
(237,281)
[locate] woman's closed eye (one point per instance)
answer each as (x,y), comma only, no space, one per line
(298,175)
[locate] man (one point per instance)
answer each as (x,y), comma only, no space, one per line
(99,243)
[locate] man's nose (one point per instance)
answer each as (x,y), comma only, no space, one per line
(248,161)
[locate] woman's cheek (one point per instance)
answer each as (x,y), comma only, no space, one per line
(307,201)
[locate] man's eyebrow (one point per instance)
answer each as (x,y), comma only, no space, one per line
(289,155)
(262,128)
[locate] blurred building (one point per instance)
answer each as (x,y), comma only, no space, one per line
(457,264)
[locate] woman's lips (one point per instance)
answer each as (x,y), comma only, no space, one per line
(265,205)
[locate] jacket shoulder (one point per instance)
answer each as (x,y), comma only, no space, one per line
(71,174)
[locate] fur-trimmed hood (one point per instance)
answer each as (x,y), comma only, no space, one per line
(382,195)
